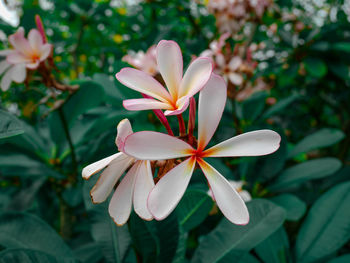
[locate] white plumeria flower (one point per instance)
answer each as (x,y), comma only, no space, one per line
(180,89)
(237,185)
(31,51)
(168,191)
(134,187)
(16,73)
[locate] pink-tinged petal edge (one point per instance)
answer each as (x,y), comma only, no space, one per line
(212,100)
(149,145)
(143,186)
(144,83)
(182,105)
(227,199)
(121,203)
(144,104)
(169,190)
(170,65)
(254,143)
(123,130)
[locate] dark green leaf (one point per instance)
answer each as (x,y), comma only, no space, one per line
(320,139)
(265,218)
(295,208)
(23,230)
(9,125)
(193,208)
(89,253)
(326,227)
(341,259)
(306,171)
(316,67)
(280,106)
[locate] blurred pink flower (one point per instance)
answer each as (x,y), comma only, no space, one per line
(147,62)
(180,89)
(10,72)
(134,187)
(170,188)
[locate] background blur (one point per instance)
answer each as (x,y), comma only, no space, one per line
(287,67)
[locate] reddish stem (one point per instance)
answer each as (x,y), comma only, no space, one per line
(191,119)
(160,115)
(182,127)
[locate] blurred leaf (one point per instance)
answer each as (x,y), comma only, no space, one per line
(23,230)
(320,139)
(113,94)
(341,46)
(181,247)
(280,106)
(295,208)
(342,259)
(326,227)
(275,248)
(265,218)
(9,125)
(113,240)
(253,106)
(193,208)
(316,67)
(21,255)
(89,253)
(309,170)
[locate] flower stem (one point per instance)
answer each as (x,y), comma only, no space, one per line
(73,176)
(182,128)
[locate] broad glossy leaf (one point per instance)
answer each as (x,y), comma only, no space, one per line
(89,253)
(306,171)
(9,125)
(193,208)
(24,230)
(316,67)
(113,240)
(21,255)
(275,248)
(265,218)
(320,139)
(326,227)
(342,259)
(295,208)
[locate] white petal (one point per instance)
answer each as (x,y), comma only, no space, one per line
(95,167)
(253,143)
(109,178)
(197,74)
(33,65)
(145,104)
(212,99)
(235,62)
(235,78)
(168,191)
(148,145)
(143,186)
(6,52)
(45,51)
(170,65)
(20,43)
(181,105)
(228,200)
(144,83)
(18,73)
(120,205)
(35,39)
(4,65)
(6,81)
(17,57)
(124,130)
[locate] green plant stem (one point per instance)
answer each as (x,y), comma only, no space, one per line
(72,177)
(65,220)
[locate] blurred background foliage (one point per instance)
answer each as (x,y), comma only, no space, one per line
(301,194)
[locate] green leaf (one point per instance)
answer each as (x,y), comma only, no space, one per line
(342,259)
(9,125)
(23,230)
(274,249)
(341,46)
(113,240)
(89,253)
(265,218)
(193,208)
(280,106)
(315,67)
(295,208)
(320,139)
(20,255)
(326,227)
(253,107)
(309,170)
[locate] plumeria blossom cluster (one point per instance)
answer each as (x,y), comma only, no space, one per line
(147,62)
(174,157)
(236,65)
(25,54)
(232,15)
